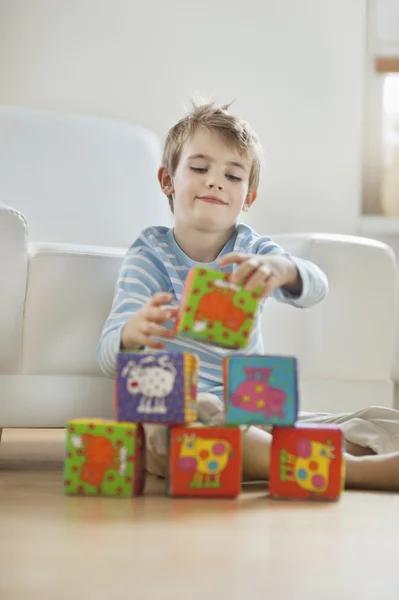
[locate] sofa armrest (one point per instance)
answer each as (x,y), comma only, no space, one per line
(69,295)
(351,334)
(13,276)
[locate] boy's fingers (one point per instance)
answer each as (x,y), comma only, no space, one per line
(168,315)
(155,315)
(160,298)
(161,315)
(242,273)
(169,311)
(154,330)
(149,343)
(259,277)
(245,270)
(270,285)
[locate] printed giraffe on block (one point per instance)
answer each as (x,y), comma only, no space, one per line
(309,468)
(206,458)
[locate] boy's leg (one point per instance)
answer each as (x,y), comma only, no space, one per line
(374,429)
(372,457)
(156,452)
(372,472)
(379,431)
(210,411)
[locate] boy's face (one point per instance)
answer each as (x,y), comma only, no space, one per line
(210,185)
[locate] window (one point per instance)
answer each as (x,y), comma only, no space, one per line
(381,110)
(390,118)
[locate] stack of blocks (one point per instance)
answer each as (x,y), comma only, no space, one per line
(108,458)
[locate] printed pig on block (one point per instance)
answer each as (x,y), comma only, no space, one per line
(104,458)
(157,387)
(216,311)
(204,461)
(307,462)
(260,390)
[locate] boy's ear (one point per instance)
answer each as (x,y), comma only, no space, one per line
(250,199)
(165,181)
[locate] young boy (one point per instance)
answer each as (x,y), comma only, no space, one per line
(210,173)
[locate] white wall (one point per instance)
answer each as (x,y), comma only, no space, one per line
(294,67)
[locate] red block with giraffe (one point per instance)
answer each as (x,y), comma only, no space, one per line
(307,462)
(204,461)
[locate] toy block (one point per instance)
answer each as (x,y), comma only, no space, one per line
(216,311)
(204,461)
(307,462)
(104,458)
(260,390)
(157,387)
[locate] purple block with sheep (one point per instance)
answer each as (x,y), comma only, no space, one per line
(156,387)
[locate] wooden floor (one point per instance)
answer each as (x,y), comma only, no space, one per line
(55,547)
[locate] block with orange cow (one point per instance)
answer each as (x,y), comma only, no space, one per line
(104,458)
(215,311)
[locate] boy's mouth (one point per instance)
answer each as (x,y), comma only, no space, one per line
(211,199)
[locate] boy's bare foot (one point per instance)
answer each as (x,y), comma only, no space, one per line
(377,472)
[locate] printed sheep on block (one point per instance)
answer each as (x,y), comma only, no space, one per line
(156,387)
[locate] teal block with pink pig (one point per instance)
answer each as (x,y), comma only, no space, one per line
(260,390)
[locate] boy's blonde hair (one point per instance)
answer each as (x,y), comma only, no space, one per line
(215,118)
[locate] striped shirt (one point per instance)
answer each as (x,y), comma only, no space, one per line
(156,263)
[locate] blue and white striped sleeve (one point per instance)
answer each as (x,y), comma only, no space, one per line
(139,279)
(314,280)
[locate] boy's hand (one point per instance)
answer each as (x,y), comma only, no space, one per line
(266,271)
(148,322)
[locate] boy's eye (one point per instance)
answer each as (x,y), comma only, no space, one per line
(204,170)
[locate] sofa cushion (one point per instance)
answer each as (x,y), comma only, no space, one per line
(85,180)
(68,299)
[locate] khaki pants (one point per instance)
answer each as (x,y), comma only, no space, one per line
(375,427)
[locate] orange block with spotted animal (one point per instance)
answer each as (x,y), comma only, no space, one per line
(307,462)
(205,461)
(216,311)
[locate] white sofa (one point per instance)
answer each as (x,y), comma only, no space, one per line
(75,191)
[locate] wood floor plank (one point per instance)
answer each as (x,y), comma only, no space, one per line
(54,547)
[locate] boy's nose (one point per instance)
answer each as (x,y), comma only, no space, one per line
(215,185)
